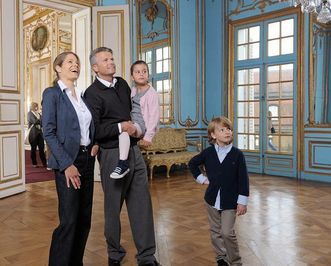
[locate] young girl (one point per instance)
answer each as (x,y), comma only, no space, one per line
(228,188)
(145,115)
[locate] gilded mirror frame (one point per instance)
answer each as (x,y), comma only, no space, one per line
(312,90)
(140,46)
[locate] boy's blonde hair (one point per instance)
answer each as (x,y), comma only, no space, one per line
(218,121)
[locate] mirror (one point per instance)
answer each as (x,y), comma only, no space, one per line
(154,46)
(320,73)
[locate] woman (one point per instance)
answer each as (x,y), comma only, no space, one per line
(69,131)
(35,135)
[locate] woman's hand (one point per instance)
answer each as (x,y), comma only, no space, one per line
(95,150)
(72,175)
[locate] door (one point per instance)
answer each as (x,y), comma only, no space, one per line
(81,45)
(265,95)
(12,170)
(111,28)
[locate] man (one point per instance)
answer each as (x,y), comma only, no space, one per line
(110,101)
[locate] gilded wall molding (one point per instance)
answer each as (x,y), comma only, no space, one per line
(312,145)
(189,122)
(300,69)
(89,3)
(10,112)
(317,32)
(101,24)
(203,62)
(12,87)
(5,152)
(140,46)
(243,6)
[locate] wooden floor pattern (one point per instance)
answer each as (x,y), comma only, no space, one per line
(288,223)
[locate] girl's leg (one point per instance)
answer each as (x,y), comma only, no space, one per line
(124,145)
(122,167)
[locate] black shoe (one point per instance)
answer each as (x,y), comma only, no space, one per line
(112,262)
(121,169)
(154,263)
(222,262)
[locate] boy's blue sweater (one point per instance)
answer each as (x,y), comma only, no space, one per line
(230,176)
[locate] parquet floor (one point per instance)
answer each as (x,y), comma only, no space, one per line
(288,223)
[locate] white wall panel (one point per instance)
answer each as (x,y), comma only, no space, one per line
(11,159)
(111,29)
(8,33)
(12,172)
(81,45)
(9,112)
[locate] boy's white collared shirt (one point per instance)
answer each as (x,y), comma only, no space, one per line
(221,153)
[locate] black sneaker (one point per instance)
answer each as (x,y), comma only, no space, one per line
(222,262)
(121,170)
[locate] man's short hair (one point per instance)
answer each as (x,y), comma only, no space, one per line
(96,51)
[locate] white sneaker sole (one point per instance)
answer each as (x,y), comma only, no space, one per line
(117,176)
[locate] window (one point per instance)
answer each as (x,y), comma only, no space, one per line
(280,37)
(264,88)
(158,60)
(248,43)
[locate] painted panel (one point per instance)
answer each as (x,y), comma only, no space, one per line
(246,8)
(318,152)
(82,45)
(113,2)
(317,148)
(9,112)
(111,29)
(213,86)
(189,63)
(10,157)
(253,162)
(154,22)
(272,162)
(8,46)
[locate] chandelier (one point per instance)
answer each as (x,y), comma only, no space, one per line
(320,7)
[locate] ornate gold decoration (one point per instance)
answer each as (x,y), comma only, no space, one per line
(169,148)
(83,2)
(260,4)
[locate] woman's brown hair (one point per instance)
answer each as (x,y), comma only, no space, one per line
(58,61)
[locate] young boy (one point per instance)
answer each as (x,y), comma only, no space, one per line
(145,115)
(228,188)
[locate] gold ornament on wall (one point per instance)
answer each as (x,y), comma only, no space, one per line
(39,38)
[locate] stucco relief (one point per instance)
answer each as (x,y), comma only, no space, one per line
(246,5)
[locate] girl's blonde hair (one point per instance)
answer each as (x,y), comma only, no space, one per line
(32,106)
(218,121)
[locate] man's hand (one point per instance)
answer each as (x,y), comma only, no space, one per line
(145,143)
(127,126)
(94,150)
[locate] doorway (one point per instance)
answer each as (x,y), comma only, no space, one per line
(265,94)
(48,29)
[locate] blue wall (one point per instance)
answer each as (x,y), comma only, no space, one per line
(200,72)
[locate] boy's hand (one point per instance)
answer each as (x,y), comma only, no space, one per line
(241,209)
(206,182)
